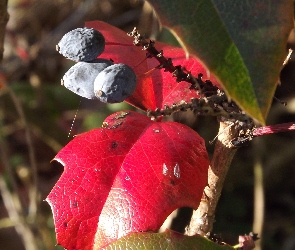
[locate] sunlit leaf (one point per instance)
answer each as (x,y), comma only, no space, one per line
(127,176)
(168,240)
(243,43)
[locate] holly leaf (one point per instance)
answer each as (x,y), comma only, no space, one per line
(155,87)
(168,240)
(242,43)
(127,176)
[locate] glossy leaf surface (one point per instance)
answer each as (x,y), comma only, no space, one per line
(243,43)
(168,240)
(127,176)
(155,87)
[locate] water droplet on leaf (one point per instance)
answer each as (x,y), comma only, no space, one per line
(176,171)
(165,169)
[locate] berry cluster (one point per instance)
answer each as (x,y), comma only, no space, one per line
(93,77)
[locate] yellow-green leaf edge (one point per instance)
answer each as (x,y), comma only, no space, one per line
(169,240)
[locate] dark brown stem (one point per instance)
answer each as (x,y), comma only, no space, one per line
(177,71)
(3,21)
(213,106)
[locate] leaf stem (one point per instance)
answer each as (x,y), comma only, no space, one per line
(273,129)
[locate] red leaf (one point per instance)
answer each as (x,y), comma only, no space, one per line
(155,88)
(125,177)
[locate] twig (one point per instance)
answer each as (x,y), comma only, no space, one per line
(3,21)
(6,222)
(213,101)
(18,205)
(33,191)
(259,199)
(177,71)
(20,225)
(213,106)
(203,218)
(48,140)
(18,220)
(288,57)
(12,203)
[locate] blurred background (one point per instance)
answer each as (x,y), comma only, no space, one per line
(36,116)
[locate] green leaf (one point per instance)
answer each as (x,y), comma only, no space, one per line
(168,240)
(243,43)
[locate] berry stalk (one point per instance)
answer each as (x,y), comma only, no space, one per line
(177,71)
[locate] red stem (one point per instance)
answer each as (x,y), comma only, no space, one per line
(120,44)
(273,129)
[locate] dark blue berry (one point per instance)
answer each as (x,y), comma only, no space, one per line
(115,83)
(81,44)
(80,77)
